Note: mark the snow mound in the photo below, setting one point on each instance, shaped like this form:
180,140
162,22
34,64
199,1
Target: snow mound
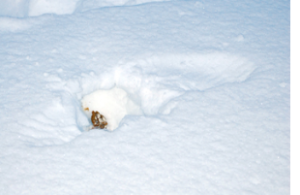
84,5
145,86
23,8
199,71
114,104
39,7
14,8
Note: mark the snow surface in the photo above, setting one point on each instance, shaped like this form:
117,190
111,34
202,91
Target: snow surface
211,79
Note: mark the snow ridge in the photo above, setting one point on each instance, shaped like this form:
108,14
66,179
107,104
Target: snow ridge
24,8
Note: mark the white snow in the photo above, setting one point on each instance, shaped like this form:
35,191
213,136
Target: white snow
15,8
113,104
24,8
40,7
196,94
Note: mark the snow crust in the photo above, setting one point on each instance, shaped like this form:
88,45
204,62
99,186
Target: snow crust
197,94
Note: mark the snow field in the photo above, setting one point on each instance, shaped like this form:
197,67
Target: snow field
156,142
211,80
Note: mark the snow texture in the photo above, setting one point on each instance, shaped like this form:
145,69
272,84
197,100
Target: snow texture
196,94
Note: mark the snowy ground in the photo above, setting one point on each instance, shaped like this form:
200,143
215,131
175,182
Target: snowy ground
211,79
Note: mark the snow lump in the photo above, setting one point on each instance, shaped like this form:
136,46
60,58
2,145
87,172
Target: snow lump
113,104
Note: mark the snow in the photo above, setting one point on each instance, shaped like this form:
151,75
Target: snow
15,8
114,104
294,103
24,8
197,93
40,7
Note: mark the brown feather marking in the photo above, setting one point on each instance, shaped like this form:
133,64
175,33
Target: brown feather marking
98,120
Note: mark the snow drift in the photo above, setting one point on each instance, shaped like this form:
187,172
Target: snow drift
23,8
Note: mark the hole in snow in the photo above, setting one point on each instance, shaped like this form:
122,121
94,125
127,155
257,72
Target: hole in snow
113,105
